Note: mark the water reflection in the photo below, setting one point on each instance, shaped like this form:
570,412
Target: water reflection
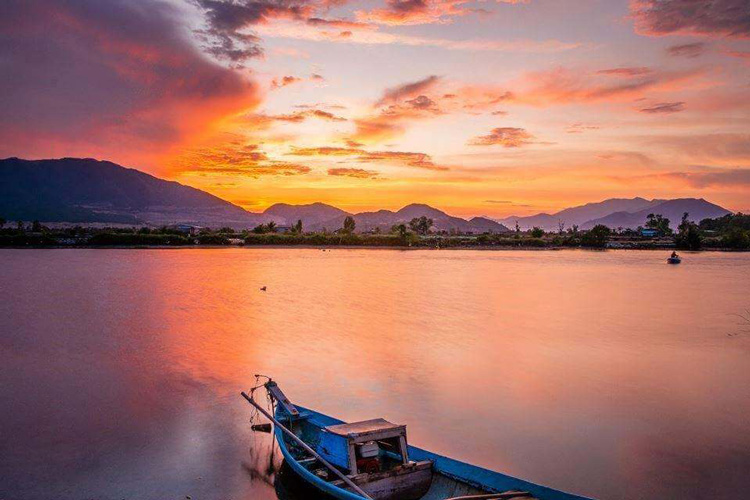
606,373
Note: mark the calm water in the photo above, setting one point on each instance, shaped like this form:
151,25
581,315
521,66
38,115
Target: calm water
610,374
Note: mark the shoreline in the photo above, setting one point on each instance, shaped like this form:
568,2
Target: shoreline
498,248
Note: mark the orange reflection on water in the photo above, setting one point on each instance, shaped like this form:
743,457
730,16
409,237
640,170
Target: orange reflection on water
605,373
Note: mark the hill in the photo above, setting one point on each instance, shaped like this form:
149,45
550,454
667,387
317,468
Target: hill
579,215
309,214
698,209
385,219
619,212
89,191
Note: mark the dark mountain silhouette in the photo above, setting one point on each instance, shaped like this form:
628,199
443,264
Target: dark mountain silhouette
89,191
308,214
581,214
697,209
385,219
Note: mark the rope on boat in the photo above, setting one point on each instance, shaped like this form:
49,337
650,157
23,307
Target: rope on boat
307,448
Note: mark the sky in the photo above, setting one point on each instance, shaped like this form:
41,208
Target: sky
494,107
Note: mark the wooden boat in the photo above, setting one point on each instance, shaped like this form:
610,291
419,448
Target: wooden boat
371,460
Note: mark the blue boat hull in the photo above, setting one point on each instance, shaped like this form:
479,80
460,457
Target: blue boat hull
453,478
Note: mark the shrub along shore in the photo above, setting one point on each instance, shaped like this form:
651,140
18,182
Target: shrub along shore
731,232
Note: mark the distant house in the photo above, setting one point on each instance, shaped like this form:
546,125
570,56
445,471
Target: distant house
283,229
649,233
187,229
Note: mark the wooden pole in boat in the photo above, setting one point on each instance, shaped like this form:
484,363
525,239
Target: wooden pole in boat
307,448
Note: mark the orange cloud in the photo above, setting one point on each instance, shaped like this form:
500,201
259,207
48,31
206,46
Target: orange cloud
235,158
277,83
357,173
508,137
417,160
300,116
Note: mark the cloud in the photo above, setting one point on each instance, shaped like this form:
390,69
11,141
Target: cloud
727,149
579,128
689,50
407,90
565,85
326,151
371,36
707,178
507,202
637,71
508,137
417,160
343,24
711,18
409,12
118,79
738,53
285,81
357,173
301,116
665,107
224,39
236,158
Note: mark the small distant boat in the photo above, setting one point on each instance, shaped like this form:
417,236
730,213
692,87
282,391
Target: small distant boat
674,259
371,460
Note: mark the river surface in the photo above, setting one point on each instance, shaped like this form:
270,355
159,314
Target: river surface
610,374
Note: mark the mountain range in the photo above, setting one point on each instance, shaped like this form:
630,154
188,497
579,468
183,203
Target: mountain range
86,191
620,212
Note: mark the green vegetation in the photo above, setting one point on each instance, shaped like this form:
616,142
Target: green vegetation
659,223
597,237
265,228
421,225
349,225
728,232
688,235
537,232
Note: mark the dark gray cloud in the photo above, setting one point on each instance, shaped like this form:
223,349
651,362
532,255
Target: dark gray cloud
690,50
407,90
665,107
105,72
714,18
224,38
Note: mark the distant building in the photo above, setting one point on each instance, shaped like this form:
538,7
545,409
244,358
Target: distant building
283,229
187,228
650,233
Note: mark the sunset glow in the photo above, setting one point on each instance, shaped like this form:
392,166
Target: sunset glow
492,108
